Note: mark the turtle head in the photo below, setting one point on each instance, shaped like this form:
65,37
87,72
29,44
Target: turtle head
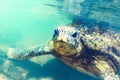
66,41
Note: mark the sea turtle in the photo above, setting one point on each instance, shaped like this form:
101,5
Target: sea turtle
92,51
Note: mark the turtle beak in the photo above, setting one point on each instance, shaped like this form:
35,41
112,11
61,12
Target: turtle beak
62,37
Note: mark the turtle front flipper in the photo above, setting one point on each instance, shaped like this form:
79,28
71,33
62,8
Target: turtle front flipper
14,53
107,71
110,75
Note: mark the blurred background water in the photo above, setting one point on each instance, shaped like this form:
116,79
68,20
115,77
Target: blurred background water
26,24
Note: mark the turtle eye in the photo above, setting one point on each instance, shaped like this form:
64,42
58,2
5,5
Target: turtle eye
56,31
75,34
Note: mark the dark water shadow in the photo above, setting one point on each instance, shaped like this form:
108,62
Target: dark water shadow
53,68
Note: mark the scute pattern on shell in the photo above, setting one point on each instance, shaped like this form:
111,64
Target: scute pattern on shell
100,52
104,41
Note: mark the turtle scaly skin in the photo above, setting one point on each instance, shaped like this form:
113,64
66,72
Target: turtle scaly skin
95,53
94,57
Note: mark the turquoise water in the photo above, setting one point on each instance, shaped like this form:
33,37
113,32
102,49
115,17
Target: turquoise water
26,24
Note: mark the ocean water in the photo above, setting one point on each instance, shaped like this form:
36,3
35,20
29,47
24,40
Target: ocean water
27,24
